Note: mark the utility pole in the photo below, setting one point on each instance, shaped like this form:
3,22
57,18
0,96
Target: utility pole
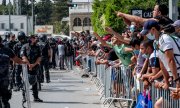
27,20
32,3
173,9
88,16
9,6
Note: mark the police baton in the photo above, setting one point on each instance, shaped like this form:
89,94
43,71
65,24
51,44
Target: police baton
26,85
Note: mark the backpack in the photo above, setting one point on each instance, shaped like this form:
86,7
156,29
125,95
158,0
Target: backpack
175,39
4,66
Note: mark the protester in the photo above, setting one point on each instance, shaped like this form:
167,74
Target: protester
61,54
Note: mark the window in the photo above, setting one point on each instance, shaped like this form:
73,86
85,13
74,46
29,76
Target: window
12,26
2,25
87,21
22,26
77,22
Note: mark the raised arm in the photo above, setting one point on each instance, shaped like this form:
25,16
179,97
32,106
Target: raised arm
100,39
131,18
117,35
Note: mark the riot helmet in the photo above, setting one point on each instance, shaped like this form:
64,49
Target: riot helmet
7,35
21,35
43,38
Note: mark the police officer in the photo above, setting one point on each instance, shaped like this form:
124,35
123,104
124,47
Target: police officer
45,56
7,39
53,45
12,41
10,44
6,55
18,68
31,53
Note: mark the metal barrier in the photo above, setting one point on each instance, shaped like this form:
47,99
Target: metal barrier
167,101
114,84
119,84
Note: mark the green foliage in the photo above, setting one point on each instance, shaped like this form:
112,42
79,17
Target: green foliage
4,2
60,10
57,27
44,12
104,13
61,27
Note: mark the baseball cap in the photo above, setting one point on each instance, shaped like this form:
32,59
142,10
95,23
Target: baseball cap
106,37
148,25
176,23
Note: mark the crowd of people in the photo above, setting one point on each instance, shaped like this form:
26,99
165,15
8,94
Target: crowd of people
39,53
150,47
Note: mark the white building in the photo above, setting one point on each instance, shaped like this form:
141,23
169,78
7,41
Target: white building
80,16
18,23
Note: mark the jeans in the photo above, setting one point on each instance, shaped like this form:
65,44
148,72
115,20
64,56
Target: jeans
69,62
61,61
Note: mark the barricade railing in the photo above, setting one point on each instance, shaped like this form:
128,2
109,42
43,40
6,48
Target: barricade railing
116,84
119,84
167,101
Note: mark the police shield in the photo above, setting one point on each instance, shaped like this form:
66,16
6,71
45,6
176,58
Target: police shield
26,85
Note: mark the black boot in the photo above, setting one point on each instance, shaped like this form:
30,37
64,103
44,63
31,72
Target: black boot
38,100
6,104
47,77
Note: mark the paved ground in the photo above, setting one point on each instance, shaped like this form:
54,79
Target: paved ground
66,90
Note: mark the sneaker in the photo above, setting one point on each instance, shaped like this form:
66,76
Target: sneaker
38,100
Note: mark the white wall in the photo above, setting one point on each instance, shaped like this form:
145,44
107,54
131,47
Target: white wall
16,20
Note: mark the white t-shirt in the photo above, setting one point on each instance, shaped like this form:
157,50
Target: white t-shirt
61,50
165,43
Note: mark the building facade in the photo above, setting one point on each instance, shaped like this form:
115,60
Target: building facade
17,23
80,15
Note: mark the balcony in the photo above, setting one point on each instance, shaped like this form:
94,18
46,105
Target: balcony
75,10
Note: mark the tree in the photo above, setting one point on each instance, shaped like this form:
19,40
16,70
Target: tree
25,8
105,11
4,2
60,10
44,12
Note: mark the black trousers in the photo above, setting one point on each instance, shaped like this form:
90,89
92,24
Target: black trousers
34,90
44,67
18,71
5,94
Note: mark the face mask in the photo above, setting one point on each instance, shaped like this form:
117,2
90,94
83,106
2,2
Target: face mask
145,56
132,28
150,36
136,52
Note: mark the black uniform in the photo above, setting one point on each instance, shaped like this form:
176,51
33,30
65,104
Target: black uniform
54,49
11,44
18,68
32,52
5,92
45,47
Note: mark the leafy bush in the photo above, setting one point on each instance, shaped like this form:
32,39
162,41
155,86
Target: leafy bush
104,13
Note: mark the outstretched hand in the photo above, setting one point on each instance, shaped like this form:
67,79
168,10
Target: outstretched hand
95,34
119,14
109,30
